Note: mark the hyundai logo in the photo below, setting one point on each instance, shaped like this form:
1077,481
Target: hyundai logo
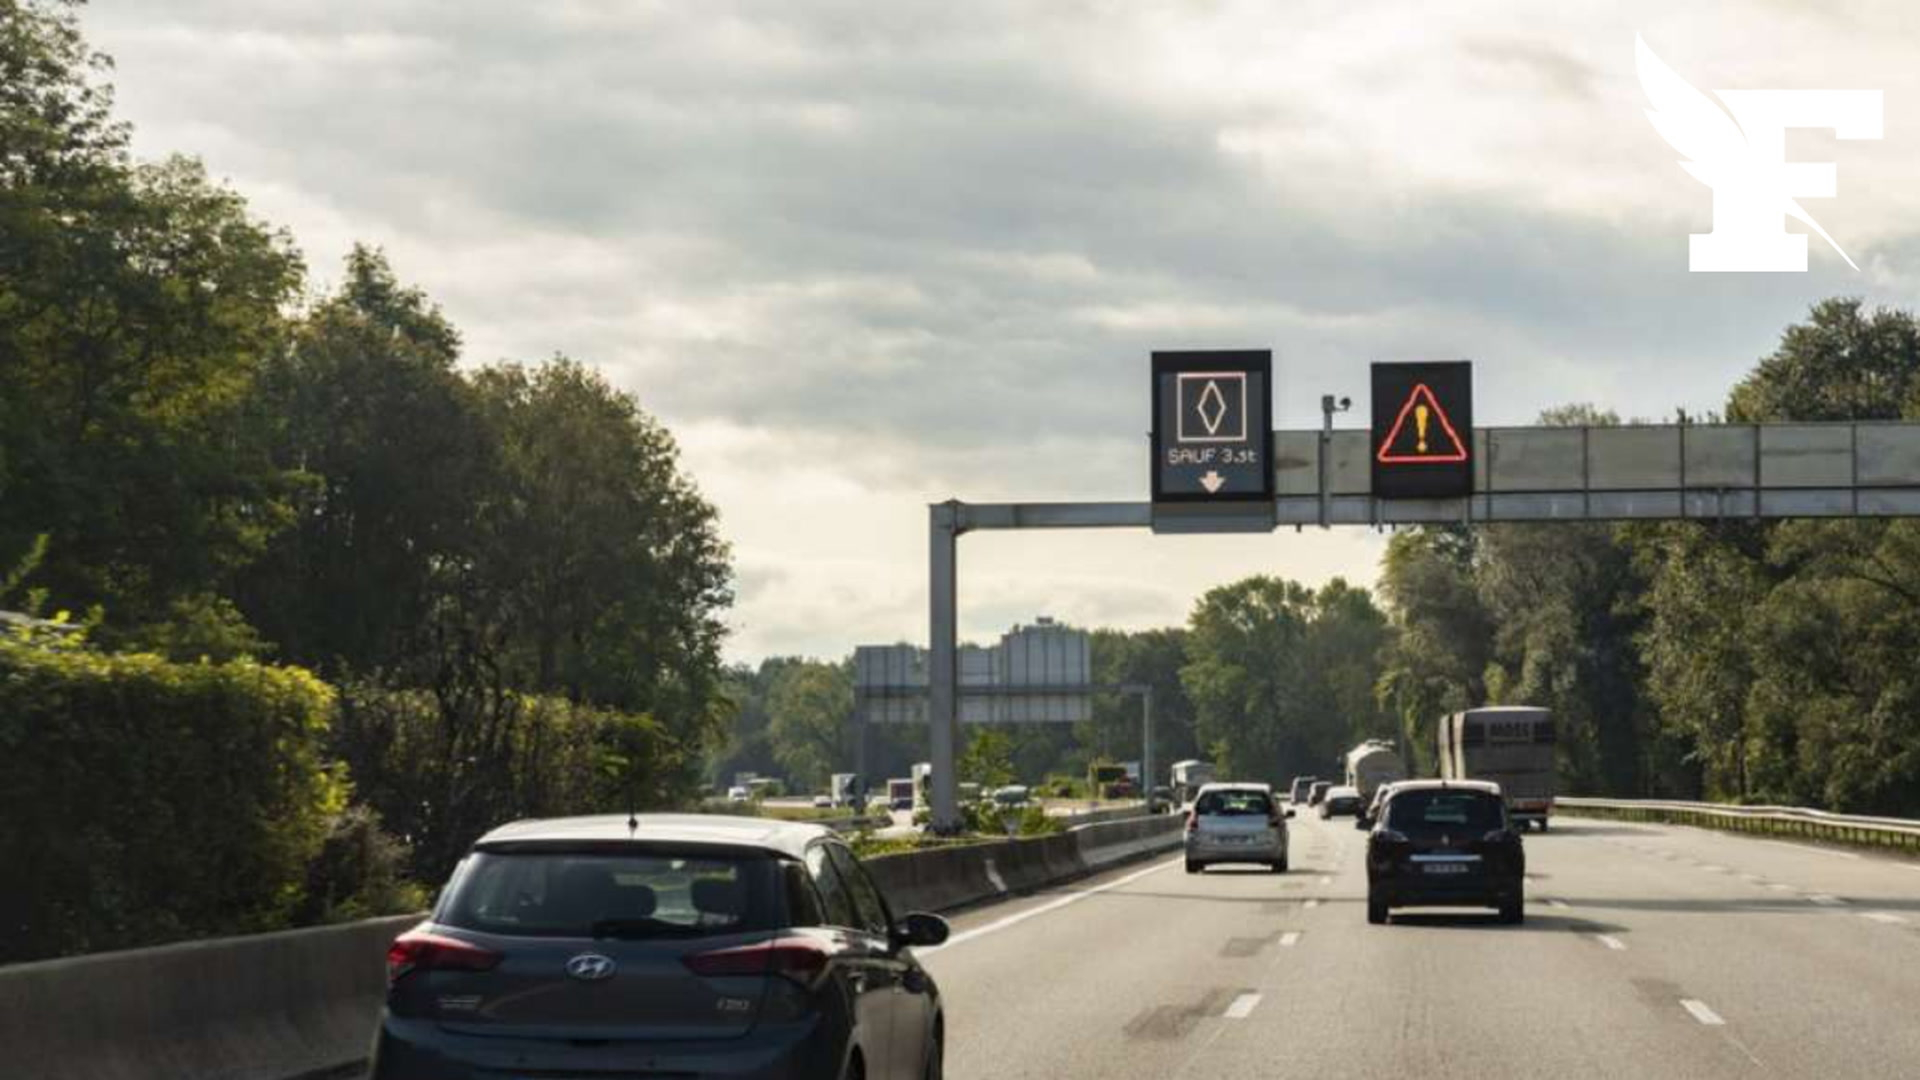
590,967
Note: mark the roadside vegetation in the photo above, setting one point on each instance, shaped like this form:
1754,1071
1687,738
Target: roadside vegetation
333,601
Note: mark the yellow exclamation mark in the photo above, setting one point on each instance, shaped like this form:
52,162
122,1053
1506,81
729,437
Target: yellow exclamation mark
1420,420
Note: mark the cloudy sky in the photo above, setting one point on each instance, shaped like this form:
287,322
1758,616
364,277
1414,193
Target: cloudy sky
866,256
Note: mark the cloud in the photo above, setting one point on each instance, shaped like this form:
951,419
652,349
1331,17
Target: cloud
863,256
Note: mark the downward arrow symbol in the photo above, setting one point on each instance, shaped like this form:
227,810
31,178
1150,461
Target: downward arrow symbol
1213,482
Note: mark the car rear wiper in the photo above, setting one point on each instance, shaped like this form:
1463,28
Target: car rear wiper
640,928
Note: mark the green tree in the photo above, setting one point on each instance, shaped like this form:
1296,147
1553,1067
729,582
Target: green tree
810,705
988,759
370,414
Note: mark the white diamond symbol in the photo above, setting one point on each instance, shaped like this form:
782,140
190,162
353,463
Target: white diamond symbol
1212,407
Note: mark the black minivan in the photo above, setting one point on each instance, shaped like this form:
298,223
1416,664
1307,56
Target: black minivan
1445,843
668,946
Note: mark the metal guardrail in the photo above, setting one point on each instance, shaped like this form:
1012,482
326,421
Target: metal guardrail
1854,829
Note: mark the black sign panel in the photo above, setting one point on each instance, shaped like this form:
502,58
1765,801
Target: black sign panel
1212,426
1423,430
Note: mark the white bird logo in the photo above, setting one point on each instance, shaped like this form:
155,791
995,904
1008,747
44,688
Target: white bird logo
1719,152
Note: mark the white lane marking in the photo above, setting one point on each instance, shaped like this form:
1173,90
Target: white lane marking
1561,904
1777,887
1701,1012
1827,901
1611,942
1311,904
1882,916
1242,1006
1050,906
993,875
1809,847
1289,939
1326,881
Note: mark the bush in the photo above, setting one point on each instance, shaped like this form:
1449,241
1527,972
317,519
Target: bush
143,801
360,872
444,766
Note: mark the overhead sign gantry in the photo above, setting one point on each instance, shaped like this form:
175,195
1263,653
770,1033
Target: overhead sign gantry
1423,461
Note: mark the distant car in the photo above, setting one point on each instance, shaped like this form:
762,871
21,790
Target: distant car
1445,843
1338,801
1318,791
823,802
1010,796
738,795
1302,786
688,945
901,802
1236,823
1370,813
1160,800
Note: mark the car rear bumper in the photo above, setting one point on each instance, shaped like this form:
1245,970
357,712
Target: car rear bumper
1202,852
416,1049
1410,890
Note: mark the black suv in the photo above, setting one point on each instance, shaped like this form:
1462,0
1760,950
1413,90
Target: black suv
680,946
1445,843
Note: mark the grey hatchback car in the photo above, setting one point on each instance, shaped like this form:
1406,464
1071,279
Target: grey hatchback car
690,945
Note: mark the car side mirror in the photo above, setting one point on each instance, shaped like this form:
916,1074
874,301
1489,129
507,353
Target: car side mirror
920,928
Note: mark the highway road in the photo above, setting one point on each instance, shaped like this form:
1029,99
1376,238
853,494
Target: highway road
1648,951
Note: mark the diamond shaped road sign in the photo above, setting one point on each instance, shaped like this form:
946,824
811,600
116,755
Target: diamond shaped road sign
1212,437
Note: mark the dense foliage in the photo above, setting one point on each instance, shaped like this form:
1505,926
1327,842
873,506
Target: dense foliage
503,569
143,800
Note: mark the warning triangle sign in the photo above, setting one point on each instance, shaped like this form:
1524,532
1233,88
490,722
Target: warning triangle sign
1422,434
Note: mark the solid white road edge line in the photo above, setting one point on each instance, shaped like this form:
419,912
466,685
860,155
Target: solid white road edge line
1051,905
1242,1006
1701,1012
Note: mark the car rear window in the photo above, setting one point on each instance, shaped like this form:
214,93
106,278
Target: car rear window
1421,810
626,894
1234,804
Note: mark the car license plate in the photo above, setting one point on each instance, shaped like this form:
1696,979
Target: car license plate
1445,868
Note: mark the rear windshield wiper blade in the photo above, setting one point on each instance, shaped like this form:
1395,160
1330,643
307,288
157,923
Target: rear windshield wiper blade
641,928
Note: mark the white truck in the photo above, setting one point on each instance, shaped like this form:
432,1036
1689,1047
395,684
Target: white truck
846,789
1371,764
1511,745
1188,777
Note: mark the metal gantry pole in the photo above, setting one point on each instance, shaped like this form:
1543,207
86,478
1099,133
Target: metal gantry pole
1146,739
942,674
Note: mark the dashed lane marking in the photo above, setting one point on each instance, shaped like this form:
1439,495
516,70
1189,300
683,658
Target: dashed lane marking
1560,904
1311,904
1289,939
1701,1012
1326,881
1611,942
1883,917
1242,1006
1827,901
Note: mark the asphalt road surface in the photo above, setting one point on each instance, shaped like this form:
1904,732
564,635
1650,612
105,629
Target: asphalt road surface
1648,951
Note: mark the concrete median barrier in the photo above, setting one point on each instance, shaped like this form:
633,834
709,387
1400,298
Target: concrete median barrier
282,1005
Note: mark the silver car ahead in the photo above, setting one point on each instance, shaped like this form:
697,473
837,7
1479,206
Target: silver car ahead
1236,823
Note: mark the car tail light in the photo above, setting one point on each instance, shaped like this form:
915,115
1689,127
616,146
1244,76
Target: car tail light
423,950
799,959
